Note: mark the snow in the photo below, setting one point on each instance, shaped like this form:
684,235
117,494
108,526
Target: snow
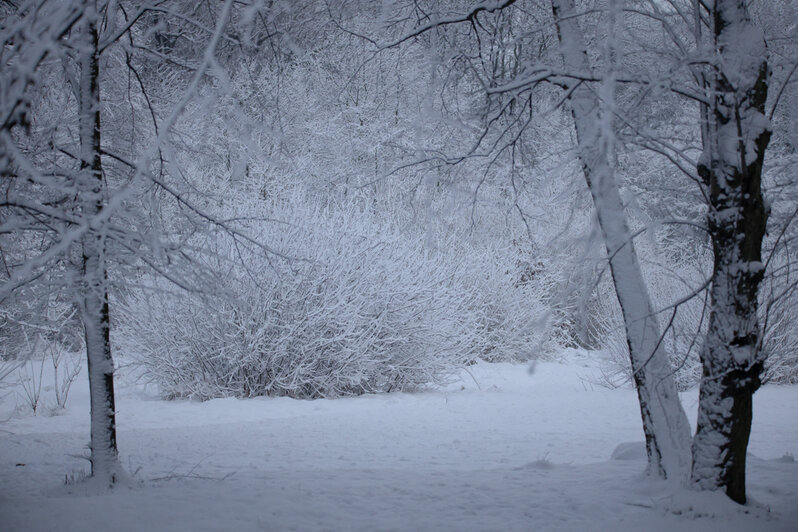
504,449
630,450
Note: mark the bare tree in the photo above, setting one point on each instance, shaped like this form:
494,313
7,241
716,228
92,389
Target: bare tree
93,276
63,219
509,81
736,136
664,421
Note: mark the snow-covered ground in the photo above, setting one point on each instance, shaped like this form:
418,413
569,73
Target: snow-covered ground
502,450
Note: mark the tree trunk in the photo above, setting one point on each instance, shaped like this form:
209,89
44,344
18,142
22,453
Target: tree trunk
93,296
665,424
731,167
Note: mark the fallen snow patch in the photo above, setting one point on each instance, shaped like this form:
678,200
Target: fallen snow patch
504,450
632,450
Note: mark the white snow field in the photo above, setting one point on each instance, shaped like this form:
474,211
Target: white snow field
506,450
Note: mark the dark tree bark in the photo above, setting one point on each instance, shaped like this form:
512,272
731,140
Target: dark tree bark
734,149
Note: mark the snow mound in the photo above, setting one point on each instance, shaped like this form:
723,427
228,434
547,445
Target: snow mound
630,450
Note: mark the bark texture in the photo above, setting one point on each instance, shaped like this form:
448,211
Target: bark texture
665,424
736,138
93,294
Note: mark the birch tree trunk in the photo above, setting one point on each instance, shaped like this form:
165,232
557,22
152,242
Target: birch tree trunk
665,424
731,167
93,289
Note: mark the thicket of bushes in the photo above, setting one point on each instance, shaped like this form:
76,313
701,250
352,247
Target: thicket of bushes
363,304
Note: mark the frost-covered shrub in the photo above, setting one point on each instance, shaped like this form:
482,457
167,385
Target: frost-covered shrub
513,323
683,323
781,346
31,311
684,331
779,318
363,305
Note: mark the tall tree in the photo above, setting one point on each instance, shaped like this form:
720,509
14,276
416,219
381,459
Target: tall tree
664,421
736,137
509,85
66,213
93,291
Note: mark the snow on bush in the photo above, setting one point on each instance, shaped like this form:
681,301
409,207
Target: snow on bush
683,319
781,346
684,330
363,305
778,316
